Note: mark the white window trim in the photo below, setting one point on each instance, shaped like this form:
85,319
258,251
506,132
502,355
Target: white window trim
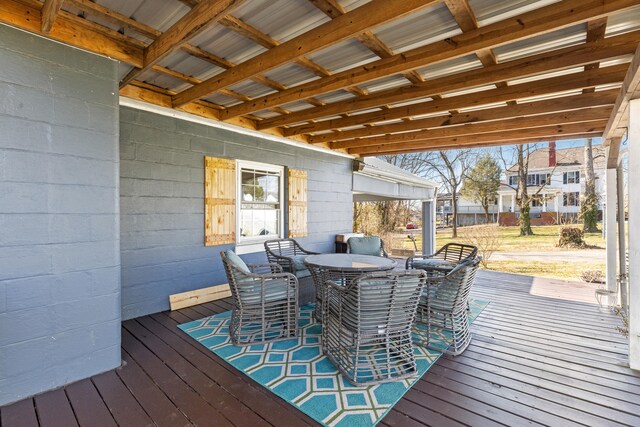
256,244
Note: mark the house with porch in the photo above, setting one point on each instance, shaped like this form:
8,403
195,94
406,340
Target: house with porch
556,182
140,139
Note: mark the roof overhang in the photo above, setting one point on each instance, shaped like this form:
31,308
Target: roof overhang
378,181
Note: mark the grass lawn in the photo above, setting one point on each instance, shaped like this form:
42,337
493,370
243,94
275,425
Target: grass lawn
543,240
554,270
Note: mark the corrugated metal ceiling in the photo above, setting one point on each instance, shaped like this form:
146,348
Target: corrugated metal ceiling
285,19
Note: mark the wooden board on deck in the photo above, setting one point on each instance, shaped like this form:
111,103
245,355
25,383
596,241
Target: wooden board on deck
199,296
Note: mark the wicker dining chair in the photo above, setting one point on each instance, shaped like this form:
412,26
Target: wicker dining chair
369,245
289,255
449,255
367,325
265,301
443,309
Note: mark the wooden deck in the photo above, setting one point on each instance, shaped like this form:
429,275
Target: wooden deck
534,360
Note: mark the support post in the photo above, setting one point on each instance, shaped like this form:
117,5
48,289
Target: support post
634,230
428,227
513,203
622,241
610,230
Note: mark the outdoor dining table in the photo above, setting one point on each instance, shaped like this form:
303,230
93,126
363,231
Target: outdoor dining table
342,268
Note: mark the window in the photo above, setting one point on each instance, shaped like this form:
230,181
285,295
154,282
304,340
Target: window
572,177
513,180
536,203
259,202
537,179
571,199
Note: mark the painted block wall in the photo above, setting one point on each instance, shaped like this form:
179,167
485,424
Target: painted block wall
162,203
59,215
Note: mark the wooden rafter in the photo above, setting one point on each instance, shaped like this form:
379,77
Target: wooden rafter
162,97
594,128
543,20
332,9
195,21
50,11
549,61
269,42
371,14
577,116
619,119
94,9
596,30
558,105
548,86
482,141
72,30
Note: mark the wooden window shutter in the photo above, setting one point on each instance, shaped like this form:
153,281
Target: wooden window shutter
297,203
220,201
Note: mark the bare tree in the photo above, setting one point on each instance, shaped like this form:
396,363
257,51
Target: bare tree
523,198
590,199
449,167
392,213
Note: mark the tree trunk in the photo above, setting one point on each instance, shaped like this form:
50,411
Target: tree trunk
589,206
485,206
454,213
524,221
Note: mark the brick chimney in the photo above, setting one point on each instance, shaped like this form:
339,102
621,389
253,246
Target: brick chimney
552,154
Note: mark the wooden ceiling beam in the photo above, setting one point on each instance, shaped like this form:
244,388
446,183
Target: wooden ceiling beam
540,21
558,105
50,11
374,13
162,97
481,143
552,132
619,119
332,9
596,30
549,61
94,9
193,23
597,114
548,86
269,42
71,30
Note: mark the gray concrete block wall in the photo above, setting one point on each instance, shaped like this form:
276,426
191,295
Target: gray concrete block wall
162,203
59,215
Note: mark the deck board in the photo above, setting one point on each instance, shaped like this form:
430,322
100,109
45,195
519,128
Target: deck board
534,360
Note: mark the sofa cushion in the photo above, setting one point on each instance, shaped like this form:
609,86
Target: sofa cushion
430,263
365,245
236,261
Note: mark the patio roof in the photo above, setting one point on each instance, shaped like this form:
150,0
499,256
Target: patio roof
365,77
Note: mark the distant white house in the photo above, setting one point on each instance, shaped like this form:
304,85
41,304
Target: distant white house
557,178
559,172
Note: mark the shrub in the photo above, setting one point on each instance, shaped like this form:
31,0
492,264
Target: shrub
592,276
624,329
571,237
486,238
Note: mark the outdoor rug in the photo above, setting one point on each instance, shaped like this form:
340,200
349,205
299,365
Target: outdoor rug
296,371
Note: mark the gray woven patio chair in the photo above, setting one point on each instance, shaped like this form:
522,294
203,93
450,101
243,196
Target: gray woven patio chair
369,245
443,308
447,256
367,325
265,301
289,255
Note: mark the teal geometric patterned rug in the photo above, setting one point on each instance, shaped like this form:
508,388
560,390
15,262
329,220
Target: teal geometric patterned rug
296,371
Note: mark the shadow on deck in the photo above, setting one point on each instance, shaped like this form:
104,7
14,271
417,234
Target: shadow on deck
534,360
